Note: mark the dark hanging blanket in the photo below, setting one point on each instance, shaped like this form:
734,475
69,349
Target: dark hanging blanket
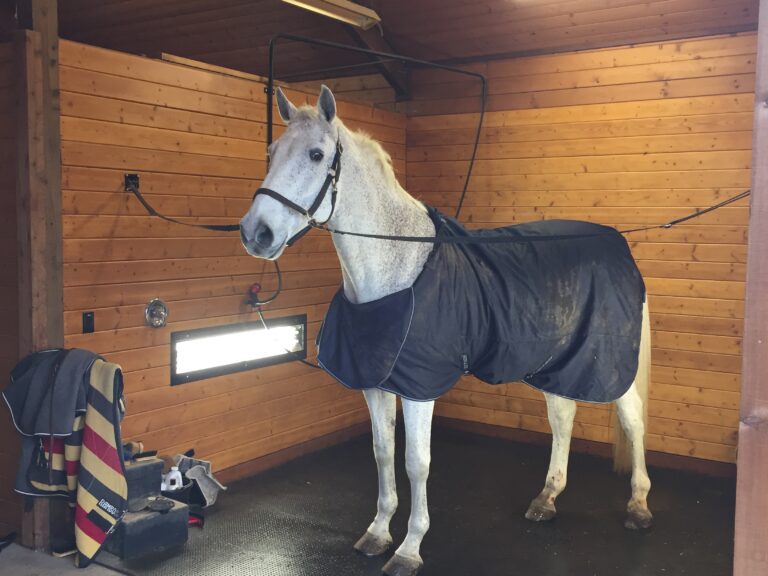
67,405
562,315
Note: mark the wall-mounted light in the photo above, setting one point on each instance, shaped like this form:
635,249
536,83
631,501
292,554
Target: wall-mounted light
343,10
219,350
156,313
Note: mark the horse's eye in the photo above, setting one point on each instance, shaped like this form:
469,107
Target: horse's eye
316,154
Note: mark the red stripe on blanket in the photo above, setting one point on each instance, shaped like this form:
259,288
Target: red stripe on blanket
101,449
58,444
86,526
72,467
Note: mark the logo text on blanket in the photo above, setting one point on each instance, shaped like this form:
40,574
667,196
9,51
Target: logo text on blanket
108,508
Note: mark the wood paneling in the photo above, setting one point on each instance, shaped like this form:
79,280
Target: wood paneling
197,137
711,66
604,136
235,33
231,33
371,88
10,503
462,28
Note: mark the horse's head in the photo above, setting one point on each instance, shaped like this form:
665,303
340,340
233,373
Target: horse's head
299,165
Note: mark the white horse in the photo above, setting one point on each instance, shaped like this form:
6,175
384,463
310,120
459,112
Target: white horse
371,200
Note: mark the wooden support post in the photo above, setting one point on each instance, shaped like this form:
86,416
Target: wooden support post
41,292
394,72
751,546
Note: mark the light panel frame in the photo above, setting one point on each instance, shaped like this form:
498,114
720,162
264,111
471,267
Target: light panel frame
298,320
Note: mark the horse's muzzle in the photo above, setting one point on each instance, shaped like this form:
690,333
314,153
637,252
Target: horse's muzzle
260,243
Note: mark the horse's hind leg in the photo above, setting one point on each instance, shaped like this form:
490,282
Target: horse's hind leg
418,431
631,416
383,409
561,412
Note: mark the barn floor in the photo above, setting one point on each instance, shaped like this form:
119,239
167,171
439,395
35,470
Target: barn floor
302,518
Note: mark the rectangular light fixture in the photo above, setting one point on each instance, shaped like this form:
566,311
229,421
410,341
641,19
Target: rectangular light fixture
343,10
219,350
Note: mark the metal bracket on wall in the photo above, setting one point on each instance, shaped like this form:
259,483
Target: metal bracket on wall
269,90
130,182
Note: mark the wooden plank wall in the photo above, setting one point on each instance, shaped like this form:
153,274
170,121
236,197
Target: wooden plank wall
627,137
440,29
371,88
198,140
10,503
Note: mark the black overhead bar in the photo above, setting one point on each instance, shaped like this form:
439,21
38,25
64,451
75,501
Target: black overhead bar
380,56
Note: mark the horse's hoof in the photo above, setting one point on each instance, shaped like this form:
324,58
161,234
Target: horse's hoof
370,545
402,566
540,511
638,519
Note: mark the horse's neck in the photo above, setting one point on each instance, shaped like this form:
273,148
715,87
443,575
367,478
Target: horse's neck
371,203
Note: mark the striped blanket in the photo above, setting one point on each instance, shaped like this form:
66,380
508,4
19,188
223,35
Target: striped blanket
72,447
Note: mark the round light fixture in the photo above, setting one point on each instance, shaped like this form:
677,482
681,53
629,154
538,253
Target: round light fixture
156,313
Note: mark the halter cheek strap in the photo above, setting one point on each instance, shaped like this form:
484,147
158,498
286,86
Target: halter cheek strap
331,180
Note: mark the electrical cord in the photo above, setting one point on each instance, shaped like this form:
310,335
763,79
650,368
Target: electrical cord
296,356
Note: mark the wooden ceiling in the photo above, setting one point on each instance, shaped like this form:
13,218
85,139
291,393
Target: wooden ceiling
235,33
462,29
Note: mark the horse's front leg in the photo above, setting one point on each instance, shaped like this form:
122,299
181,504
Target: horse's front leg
418,431
383,409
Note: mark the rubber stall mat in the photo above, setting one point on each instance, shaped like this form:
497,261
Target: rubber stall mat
303,518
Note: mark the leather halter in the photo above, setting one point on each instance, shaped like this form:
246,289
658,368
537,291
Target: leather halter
331,179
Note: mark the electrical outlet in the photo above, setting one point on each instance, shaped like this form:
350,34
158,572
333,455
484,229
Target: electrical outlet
87,322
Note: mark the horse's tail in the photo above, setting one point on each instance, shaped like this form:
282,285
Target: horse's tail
622,448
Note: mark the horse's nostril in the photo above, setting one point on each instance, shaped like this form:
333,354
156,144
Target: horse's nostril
264,236
243,237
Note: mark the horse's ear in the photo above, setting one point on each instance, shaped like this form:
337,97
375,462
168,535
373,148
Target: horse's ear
326,103
284,106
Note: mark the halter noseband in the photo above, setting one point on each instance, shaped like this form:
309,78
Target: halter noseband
331,179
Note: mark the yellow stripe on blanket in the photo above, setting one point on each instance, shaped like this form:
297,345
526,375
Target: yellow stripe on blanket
87,502
101,426
107,475
86,545
104,372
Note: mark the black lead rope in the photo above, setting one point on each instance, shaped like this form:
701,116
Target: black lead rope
517,239
475,146
132,185
693,215
133,188
331,180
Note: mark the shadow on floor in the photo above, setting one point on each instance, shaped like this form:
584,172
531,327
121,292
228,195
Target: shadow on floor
19,561
302,518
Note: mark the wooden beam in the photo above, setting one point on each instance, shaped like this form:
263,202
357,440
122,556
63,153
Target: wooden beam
41,292
395,73
41,322
31,232
751,551
210,67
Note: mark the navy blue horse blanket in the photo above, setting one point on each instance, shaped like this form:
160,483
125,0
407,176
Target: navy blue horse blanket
562,314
